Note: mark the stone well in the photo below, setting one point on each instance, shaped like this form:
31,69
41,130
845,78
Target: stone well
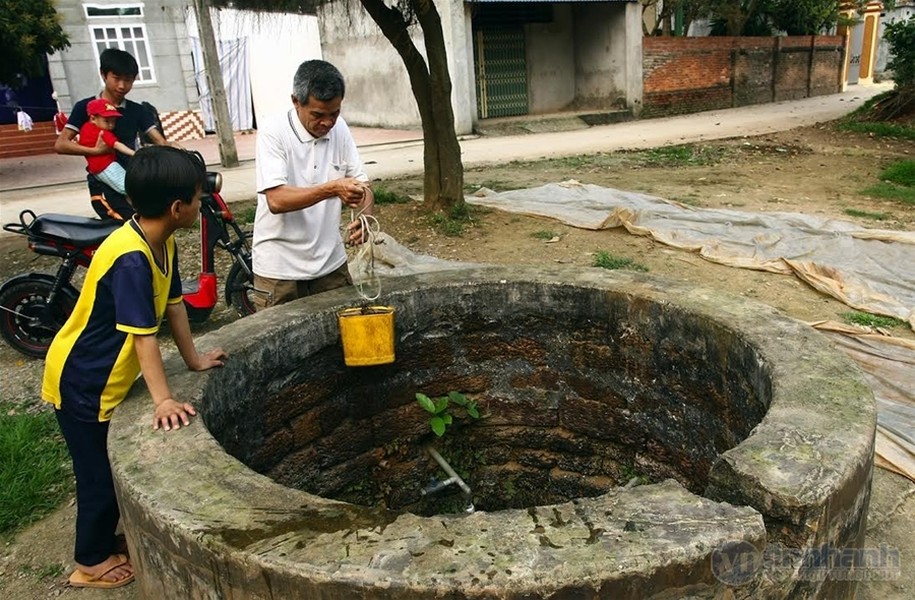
641,439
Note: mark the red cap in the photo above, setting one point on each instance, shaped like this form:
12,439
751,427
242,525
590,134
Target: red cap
102,108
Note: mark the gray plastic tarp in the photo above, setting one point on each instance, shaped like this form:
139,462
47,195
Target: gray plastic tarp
872,270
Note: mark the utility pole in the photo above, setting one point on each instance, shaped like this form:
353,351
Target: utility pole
228,155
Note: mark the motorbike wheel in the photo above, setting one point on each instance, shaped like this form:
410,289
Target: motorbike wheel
240,290
27,322
197,315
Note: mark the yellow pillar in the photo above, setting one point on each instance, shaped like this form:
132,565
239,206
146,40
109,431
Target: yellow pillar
871,16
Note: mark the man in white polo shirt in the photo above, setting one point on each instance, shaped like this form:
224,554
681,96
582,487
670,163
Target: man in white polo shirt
307,169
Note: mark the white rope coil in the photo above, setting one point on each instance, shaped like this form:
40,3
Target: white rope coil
365,255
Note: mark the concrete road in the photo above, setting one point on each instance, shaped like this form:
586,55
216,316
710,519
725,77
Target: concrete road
391,157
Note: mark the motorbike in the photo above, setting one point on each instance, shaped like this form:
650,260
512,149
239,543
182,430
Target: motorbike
34,306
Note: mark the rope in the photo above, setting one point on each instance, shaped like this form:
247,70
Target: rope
365,254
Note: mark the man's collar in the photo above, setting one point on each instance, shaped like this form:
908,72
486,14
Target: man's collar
299,130
121,105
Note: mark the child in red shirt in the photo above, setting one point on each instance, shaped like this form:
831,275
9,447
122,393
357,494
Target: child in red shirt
105,167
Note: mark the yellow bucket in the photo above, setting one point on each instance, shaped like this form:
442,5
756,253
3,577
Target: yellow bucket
368,335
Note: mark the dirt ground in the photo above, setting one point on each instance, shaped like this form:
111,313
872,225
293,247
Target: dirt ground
814,170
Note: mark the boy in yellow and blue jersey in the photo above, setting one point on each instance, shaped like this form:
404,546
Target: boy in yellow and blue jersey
110,338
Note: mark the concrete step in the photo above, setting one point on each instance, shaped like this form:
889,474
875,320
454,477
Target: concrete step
40,140
567,121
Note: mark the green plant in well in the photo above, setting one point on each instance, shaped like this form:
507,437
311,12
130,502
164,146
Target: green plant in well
442,410
875,321
35,474
630,472
605,260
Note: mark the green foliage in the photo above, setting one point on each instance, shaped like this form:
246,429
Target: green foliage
897,183
739,17
46,572
879,128
684,155
765,17
245,215
901,38
34,467
544,235
874,321
442,408
29,30
386,196
803,17
863,214
891,191
605,260
453,222
901,172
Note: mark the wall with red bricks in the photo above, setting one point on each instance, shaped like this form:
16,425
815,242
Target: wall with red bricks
686,75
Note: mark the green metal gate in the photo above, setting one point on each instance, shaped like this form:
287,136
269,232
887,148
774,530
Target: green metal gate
501,72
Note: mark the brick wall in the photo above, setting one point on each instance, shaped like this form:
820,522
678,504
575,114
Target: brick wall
179,126
686,75
15,143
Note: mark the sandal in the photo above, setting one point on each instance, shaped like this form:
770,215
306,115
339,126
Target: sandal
84,580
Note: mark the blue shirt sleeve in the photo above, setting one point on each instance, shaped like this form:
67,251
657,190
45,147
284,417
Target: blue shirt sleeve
78,116
132,288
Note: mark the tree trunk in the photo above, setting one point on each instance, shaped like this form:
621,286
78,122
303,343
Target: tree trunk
227,152
443,180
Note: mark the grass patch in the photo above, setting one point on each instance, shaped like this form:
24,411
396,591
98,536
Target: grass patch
897,182
682,156
579,163
863,214
43,572
452,224
901,173
544,235
35,473
891,191
605,260
879,129
385,196
244,214
874,321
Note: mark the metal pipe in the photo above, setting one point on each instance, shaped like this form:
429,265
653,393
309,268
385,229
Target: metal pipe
447,468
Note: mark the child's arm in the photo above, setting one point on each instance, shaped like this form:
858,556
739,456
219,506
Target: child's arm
168,412
181,332
124,148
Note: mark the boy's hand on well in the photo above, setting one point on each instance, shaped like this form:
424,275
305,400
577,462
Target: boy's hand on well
208,360
171,414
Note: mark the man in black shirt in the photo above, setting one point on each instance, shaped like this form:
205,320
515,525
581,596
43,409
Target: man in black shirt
118,70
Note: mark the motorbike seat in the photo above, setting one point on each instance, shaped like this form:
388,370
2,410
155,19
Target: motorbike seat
79,231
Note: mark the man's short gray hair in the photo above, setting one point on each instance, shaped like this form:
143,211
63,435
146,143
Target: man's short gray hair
318,79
